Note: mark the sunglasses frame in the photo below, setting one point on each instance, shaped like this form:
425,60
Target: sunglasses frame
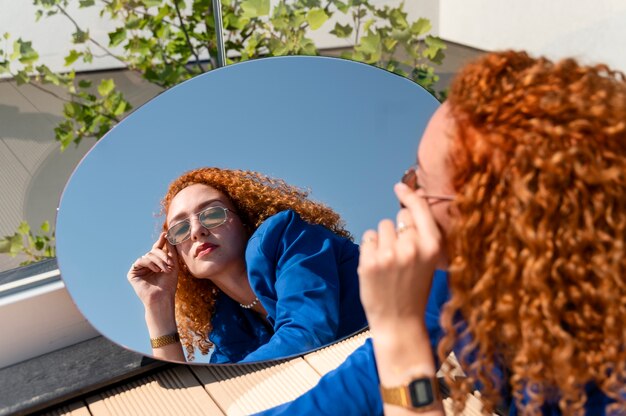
197,215
409,178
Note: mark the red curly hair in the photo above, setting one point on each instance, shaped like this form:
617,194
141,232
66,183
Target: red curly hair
255,197
537,260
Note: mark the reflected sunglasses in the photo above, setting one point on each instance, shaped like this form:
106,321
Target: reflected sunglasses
410,179
209,218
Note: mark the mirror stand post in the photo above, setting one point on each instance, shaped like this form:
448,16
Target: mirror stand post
219,33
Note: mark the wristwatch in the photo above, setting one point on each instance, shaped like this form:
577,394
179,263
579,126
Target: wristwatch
164,340
419,394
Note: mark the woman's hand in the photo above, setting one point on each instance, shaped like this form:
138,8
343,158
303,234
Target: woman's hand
395,274
397,263
154,276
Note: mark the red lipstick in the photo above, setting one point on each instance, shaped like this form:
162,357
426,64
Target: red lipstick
205,248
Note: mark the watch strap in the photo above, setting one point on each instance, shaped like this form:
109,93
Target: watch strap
164,340
401,395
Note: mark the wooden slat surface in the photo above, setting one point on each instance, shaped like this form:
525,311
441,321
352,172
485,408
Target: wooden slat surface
72,409
250,389
174,391
329,358
224,390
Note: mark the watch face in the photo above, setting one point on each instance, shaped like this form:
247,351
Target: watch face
421,390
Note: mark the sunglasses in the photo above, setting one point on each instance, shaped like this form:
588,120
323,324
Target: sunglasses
410,179
209,218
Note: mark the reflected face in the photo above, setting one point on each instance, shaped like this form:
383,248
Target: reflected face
434,173
213,253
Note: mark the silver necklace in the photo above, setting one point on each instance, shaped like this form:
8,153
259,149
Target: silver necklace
250,305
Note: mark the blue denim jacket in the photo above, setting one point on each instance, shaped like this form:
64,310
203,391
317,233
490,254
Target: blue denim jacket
305,277
353,388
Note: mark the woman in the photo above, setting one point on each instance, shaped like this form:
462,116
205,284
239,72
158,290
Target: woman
521,195
248,266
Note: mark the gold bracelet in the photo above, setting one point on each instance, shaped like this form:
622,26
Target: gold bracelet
164,340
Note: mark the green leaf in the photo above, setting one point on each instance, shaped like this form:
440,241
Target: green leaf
64,133
105,87
72,57
86,3
118,36
83,83
341,6
278,47
39,243
434,50
421,27
72,109
23,228
370,44
389,44
255,8
342,31
121,107
17,245
45,227
397,18
16,51
27,54
316,18
6,35
4,68
5,245
80,37
87,56
367,25
22,78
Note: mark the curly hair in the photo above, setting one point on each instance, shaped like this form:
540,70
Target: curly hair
255,197
537,260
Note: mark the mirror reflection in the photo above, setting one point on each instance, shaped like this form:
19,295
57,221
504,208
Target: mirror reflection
246,269
214,222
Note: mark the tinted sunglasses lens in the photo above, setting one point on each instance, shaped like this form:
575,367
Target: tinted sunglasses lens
212,217
178,233
410,178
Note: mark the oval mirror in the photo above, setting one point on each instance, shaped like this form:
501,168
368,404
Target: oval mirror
343,130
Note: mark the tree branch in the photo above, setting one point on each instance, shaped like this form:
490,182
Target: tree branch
47,91
184,29
95,42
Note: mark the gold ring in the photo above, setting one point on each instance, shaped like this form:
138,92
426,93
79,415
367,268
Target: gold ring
402,227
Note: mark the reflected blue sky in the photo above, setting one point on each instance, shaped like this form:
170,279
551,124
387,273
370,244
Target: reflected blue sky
342,129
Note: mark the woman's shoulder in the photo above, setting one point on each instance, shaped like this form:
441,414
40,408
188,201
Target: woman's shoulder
287,228
287,221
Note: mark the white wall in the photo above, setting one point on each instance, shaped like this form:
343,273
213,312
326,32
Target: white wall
52,36
593,31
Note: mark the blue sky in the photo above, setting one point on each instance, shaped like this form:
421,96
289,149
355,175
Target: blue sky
342,129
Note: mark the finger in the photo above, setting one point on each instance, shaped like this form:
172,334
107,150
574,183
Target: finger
418,208
404,224
158,262
146,263
369,243
386,235
162,255
171,252
160,241
137,268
